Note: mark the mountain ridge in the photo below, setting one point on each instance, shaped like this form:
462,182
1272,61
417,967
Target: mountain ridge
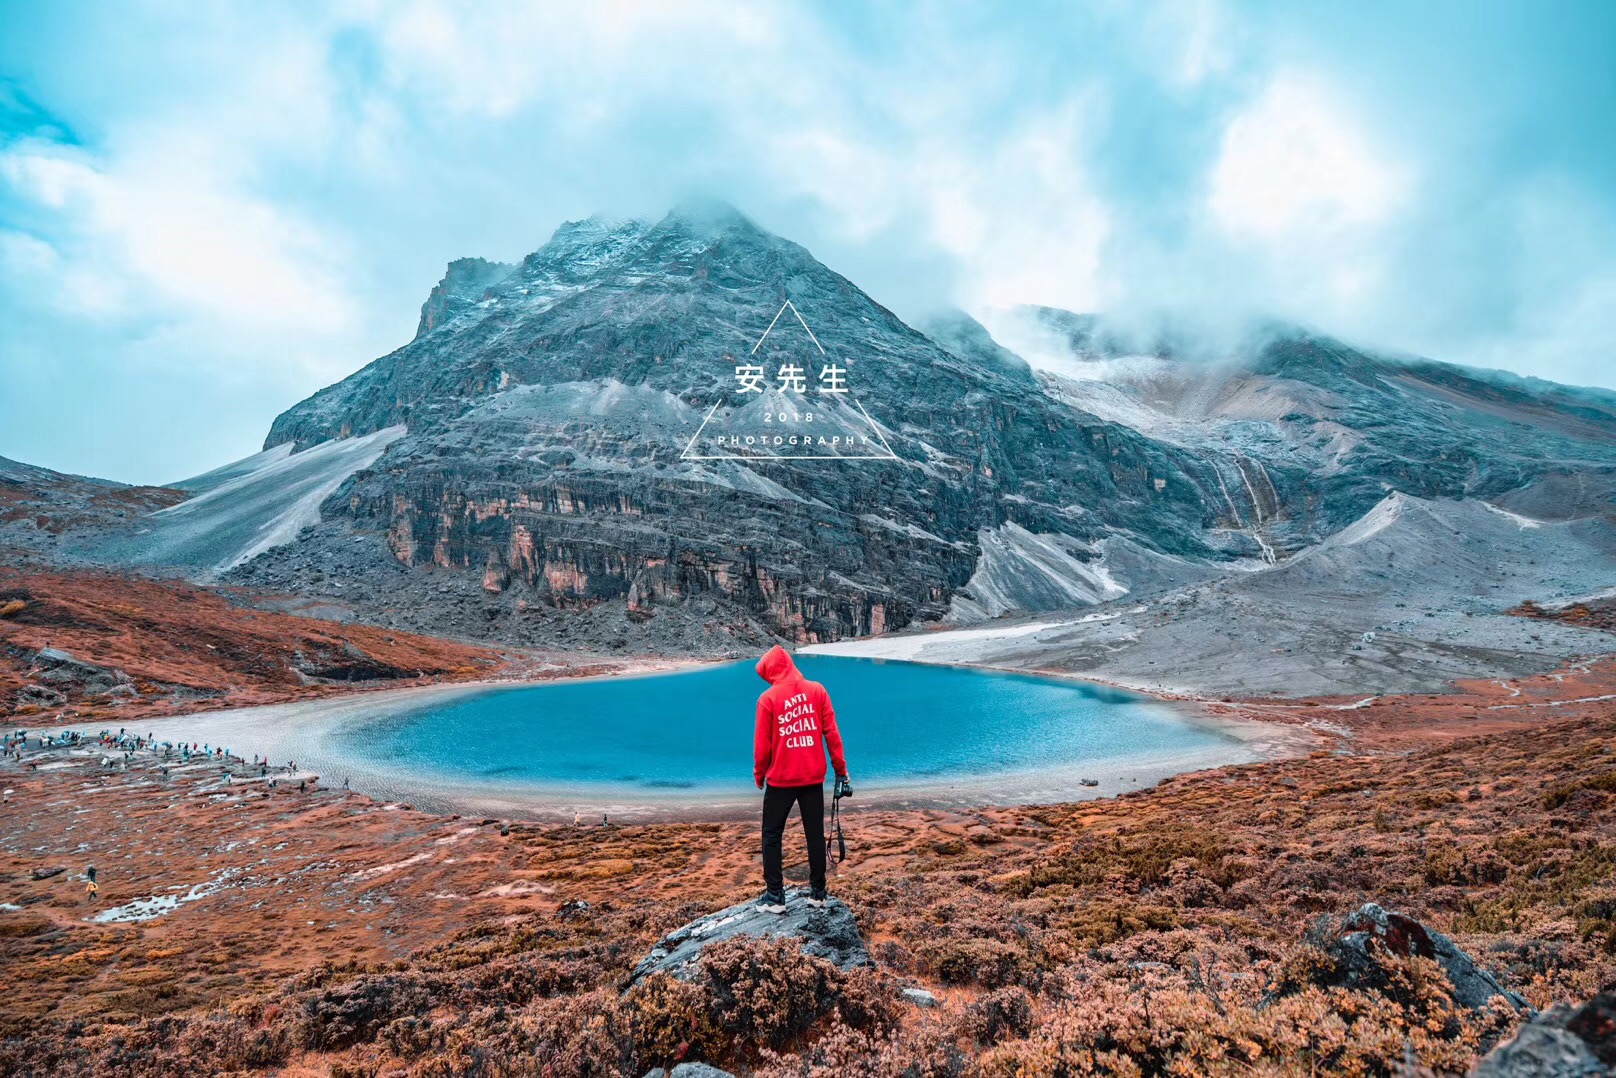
537,488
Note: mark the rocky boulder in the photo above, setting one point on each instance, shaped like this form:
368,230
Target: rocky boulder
38,696
347,663
919,997
64,672
1562,1042
828,933
1357,942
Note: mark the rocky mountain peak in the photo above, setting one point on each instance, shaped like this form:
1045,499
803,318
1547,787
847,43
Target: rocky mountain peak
579,248
543,422
465,281
711,217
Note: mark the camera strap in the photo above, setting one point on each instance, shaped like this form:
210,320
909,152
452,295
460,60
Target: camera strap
834,832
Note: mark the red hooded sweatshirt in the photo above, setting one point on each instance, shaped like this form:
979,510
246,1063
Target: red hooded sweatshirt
795,725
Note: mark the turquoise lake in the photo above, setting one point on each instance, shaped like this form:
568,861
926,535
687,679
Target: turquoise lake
900,722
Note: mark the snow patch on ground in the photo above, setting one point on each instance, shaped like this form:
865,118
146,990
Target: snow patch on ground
1591,597
737,476
911,647
148,909
517,888
382,870
255,504
1385,513
902,528
1018,570
1520,521
228,473
556,405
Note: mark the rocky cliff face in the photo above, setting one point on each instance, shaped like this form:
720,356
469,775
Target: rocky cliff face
551,480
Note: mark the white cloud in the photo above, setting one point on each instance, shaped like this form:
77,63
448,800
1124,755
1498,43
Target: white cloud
1563,324
1022,217
1295,162
270,191
495,60
1301,212
167,229
164,222
1192,38
50,282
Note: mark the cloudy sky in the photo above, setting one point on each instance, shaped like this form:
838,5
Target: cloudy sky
207,211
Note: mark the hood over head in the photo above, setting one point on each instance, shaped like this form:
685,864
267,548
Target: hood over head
776,665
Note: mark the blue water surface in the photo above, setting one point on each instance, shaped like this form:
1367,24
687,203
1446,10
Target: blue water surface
900,722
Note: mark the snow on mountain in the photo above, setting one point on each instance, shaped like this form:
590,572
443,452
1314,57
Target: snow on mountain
1020,571
523,467
250,506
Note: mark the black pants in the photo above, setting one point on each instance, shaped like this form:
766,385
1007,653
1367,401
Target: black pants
777,802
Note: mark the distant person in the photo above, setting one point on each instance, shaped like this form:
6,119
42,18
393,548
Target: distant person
90,888
795,725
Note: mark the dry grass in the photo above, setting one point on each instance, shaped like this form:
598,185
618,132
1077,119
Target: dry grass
1164,932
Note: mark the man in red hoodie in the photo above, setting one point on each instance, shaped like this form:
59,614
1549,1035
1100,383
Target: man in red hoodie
795,725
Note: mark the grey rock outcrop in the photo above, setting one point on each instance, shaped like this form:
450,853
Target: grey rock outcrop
46,513
38,696
1359,939
466,282
689,1070
66,673
829,933
919,997
1561,1042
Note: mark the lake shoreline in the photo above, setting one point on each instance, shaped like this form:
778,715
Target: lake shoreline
265,885
305,731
